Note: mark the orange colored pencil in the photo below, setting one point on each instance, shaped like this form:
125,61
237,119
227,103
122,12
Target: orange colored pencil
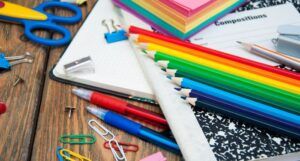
235,64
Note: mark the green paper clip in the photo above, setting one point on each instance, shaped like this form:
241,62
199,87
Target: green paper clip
77,139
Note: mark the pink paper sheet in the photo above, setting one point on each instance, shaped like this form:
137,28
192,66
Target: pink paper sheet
187,7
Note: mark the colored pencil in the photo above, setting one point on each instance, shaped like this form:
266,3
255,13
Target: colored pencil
224,68
238,100
260,93
180,63
247,116
193,93
136,30
201,54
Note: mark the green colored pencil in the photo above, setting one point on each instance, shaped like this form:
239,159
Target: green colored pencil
241,86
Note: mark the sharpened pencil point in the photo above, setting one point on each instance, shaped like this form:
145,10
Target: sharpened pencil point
143,46
169,77
150,53
133,37
163,63
164,69
239,42
183,97
177,89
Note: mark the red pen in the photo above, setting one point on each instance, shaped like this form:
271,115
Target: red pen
119,106
2,108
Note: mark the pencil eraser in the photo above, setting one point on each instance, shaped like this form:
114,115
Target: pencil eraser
155,157
2,108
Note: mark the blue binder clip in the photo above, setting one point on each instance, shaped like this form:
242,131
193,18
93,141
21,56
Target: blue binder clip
5,63
114,35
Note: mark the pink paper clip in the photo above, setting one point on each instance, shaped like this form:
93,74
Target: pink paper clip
155,157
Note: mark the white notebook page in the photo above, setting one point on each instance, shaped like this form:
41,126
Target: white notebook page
116,67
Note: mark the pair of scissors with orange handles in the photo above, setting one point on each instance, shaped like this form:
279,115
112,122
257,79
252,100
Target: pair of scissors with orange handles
39,19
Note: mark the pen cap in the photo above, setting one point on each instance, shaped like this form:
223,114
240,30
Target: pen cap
122,123
2,108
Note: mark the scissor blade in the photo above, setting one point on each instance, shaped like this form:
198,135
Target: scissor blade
16,11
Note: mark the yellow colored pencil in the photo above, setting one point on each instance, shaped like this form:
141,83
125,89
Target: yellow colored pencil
222,67
202,54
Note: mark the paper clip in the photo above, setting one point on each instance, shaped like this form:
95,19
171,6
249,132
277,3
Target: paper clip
60,158
127,147
65,152
77,139
110,137
7,62
82,65
114,35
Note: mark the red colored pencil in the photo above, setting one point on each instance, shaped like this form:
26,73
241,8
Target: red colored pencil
137,30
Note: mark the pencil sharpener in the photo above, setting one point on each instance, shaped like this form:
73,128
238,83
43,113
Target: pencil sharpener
288,41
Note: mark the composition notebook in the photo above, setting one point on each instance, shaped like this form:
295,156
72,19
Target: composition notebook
227,138
116,68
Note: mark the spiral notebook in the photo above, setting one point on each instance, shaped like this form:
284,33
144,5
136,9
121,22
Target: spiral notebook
116,68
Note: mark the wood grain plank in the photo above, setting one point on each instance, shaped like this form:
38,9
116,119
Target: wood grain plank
54,122
17,125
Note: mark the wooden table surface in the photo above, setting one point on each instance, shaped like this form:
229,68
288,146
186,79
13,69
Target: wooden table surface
35,118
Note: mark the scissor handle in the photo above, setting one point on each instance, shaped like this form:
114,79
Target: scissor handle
31,27
60,19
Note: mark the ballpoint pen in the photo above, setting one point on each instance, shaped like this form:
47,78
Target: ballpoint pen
134,128
120,106
272,55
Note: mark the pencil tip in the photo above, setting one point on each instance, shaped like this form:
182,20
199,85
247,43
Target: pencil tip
177,89
239,42
183,97
169,77
164,69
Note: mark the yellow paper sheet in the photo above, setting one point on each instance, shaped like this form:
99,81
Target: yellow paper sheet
205,14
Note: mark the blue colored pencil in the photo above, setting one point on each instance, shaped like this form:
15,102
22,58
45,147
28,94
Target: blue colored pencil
238,100
244,116
226,104
253,117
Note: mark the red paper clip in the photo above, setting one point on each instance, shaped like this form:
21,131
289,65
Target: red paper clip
127,147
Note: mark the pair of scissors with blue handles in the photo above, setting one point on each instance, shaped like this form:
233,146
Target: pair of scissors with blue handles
39,19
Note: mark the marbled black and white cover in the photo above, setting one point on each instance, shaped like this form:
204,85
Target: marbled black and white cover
234,140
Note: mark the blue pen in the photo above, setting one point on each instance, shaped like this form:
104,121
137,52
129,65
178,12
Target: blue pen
241,101
134,128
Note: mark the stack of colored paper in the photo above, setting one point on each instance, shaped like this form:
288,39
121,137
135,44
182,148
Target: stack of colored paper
180,18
